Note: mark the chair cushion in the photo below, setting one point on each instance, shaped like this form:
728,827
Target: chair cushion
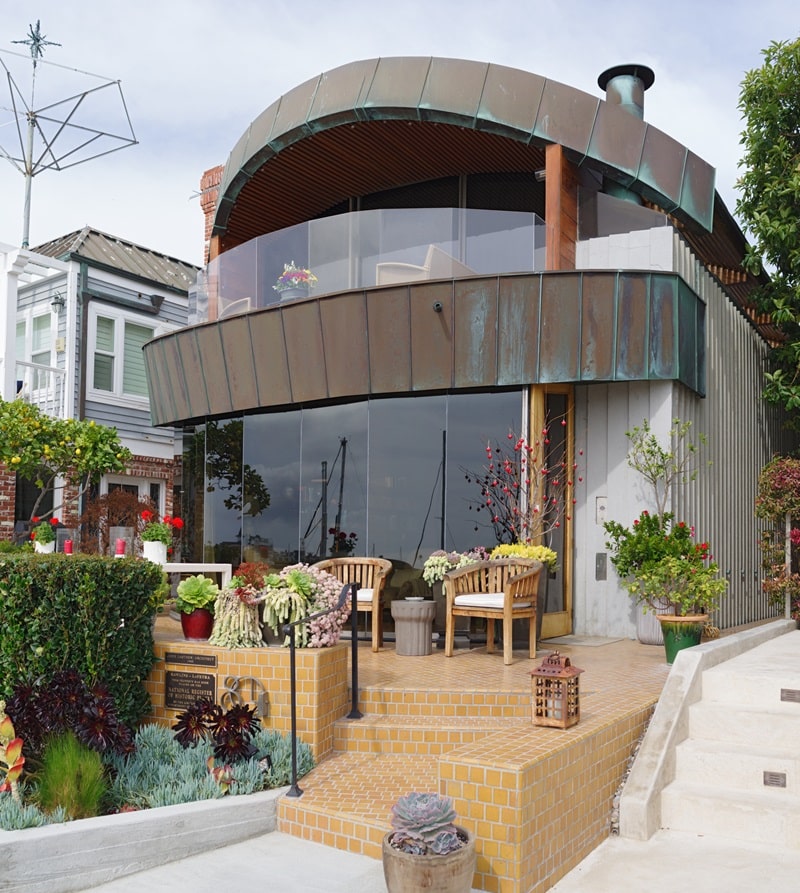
489,600
365,595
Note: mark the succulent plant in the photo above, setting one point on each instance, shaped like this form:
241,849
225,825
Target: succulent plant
424,824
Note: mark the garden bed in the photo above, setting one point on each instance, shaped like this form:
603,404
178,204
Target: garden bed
79,855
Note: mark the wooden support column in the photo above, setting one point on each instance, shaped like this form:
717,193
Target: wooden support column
561,209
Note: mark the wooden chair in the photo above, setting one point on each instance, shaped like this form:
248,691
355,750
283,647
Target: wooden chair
371,575
504,589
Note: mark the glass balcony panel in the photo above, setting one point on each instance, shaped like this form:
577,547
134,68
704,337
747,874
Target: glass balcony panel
373,248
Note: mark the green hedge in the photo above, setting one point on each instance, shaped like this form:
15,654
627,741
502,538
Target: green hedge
82,611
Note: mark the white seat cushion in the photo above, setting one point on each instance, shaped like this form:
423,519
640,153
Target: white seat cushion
365,595
491,600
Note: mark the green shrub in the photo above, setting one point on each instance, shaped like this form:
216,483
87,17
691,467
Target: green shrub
15,815
88,612
72,778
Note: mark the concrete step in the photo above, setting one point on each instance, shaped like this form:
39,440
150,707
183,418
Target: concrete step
739,767
754,817
761,691
713,721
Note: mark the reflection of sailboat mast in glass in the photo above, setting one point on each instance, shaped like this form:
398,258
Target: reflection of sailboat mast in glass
322,505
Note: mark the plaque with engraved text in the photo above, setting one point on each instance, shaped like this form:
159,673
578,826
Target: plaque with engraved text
183,689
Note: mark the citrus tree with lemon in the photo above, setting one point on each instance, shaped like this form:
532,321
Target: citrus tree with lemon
53,452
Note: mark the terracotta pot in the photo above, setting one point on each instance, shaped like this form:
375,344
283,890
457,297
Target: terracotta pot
408,873
198,624
681,632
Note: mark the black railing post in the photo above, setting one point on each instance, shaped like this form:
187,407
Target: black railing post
354,713
288,630
295,790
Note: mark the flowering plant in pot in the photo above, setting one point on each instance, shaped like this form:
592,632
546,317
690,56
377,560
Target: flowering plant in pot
195,600
295,277
526,486
44,533
665,570
440,562
426,850
155,531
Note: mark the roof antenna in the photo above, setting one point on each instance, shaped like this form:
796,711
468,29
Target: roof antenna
38,129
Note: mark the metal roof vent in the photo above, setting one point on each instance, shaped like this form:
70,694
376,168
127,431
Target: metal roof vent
625,86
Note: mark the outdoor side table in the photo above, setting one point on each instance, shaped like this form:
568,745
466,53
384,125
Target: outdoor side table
413,626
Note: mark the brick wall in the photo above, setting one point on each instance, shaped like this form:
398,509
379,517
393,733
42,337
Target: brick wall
209,191
142,466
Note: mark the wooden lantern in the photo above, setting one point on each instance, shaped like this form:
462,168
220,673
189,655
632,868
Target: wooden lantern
556,693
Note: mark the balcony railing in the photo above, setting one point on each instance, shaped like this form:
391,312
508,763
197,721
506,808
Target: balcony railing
43,386
372,248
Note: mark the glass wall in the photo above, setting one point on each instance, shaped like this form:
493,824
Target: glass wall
379,477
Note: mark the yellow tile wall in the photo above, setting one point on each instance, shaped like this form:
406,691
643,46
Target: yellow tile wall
322,678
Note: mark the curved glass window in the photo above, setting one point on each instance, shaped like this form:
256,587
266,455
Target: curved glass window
382,477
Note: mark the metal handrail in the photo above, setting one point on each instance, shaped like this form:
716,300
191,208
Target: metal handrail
288,630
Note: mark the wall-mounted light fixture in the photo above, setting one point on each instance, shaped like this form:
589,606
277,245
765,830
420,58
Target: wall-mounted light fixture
58,302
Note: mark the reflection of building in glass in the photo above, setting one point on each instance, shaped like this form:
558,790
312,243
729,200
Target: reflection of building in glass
492,250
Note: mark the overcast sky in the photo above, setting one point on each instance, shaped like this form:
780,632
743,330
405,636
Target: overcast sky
195,73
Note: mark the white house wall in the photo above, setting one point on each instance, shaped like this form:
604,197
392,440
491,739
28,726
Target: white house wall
743,433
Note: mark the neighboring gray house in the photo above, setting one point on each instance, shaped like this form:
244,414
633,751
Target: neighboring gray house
78,311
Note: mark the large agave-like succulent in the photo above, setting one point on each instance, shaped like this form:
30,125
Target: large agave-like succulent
424,823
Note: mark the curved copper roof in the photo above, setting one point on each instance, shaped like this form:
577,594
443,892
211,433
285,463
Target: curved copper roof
380,123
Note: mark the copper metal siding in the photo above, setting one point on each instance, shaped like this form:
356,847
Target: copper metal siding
190,362
547,328
346,344
409,92
214,368
270,360
633,327
305,351
431,336
598,343
560,338
475,342
661,171
518,335
662,359
173,380
510,101
617,142
241,375
389,333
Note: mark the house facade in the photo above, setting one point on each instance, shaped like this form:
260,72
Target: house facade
78,311
494,253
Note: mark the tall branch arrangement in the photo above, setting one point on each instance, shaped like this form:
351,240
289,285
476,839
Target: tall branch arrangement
526,489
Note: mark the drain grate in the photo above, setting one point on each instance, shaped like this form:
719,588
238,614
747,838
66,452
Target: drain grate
775,779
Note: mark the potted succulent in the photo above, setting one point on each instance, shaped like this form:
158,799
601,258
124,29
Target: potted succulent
426,850
195,603
295,593
44,535
294,281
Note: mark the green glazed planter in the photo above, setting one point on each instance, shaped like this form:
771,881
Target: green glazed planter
681,632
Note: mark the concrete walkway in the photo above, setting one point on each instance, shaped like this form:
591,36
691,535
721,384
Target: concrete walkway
670,862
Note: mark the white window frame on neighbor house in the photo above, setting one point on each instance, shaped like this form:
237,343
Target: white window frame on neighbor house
144,486
29,352
121,364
